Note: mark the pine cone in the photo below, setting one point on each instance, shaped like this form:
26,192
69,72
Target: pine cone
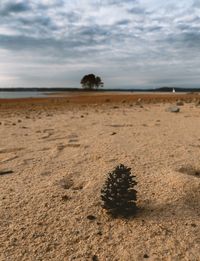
118,196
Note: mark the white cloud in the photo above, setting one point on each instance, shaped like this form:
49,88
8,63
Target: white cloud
135,43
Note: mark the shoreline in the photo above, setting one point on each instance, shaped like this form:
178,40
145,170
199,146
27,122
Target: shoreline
100,98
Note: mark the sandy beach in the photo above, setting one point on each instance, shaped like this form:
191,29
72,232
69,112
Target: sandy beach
55,154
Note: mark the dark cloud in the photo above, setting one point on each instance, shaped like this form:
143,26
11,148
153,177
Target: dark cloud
21,43
10,8
189,39
196,4
50,4
117,2
137,10
72,16
123,22
93,31
36,23
184,41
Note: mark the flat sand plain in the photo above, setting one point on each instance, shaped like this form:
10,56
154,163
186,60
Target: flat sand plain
57,153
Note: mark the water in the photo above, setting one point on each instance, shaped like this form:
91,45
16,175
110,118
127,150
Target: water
22,94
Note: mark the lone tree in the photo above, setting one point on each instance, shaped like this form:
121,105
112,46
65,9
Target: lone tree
118,195
91,82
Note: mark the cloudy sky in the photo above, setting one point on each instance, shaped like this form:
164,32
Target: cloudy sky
129,43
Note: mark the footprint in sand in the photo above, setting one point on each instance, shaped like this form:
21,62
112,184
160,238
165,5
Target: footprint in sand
7,150
48,133
8,154
28,161
48,130
190,170
44,149
79,187
65,183
61,146
7,159
73,141
73,145
72,136
46,173
120,125
6,172
68,183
